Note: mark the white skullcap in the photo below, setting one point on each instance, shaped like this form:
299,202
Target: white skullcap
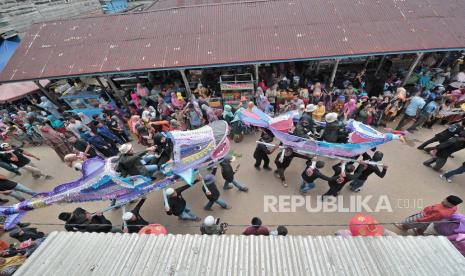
127,216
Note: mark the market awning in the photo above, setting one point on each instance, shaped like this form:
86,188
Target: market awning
235,33
17,90
7,49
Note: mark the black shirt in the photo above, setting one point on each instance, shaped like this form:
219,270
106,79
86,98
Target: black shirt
261,149
81,146
134,226
315,175
177,203
79,223
287,160
7,185
364,173
215,193
450,132
22,160
29,233
227,171
338,180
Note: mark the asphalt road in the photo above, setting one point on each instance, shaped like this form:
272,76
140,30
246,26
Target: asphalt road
407,187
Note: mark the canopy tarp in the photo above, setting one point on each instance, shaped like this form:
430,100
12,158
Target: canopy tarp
17,90
7,49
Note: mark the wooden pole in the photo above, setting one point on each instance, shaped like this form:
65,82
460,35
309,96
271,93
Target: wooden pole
48,94
100,82
333,74
115,89
381,62
412,67
366,63
256,73
446,56
186,83
318,67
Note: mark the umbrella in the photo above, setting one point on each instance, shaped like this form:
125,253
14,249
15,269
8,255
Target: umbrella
153,229
365,225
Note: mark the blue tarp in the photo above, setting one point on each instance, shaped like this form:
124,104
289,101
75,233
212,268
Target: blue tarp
7,49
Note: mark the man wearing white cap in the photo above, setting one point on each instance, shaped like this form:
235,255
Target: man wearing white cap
331,131
133,220
131,163
210,226
177,206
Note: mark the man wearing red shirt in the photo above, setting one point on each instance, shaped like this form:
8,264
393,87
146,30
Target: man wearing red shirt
432,213
256,229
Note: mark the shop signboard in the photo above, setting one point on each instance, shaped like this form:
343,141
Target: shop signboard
237,86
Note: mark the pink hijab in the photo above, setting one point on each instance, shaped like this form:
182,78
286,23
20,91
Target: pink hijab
175,101
134,121
135,99
350,107
142,91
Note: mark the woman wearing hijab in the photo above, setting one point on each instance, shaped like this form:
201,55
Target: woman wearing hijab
116,126
142,91
146,116
57,141
228,116
49,106
84,118
163,109
56,124
211,117
349,109
176,101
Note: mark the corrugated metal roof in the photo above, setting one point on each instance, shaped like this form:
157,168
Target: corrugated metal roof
117,254
18,90
235,33
166,4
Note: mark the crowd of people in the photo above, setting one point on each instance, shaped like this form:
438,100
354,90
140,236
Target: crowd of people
146,115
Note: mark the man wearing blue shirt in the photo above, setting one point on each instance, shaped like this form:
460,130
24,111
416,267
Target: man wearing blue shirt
412,111
426,114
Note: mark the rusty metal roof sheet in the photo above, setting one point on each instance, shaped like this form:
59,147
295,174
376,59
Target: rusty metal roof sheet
235,33
167,4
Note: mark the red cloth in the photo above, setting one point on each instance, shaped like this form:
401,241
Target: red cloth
437,212
254,231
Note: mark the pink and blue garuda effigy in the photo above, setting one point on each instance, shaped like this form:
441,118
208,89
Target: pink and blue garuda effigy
361,138
193,150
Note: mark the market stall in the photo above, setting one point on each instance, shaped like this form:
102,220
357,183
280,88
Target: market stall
237,88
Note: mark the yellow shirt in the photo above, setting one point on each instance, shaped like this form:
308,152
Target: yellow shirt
319,113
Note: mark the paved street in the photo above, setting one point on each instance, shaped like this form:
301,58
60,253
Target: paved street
407,182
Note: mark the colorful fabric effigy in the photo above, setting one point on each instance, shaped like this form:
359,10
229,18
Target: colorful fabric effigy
361,139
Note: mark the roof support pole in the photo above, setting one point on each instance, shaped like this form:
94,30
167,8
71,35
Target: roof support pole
446,56
115,89
366,62
186,83
256,73
412,67
48,94
333,74
100,82
381,62
318,67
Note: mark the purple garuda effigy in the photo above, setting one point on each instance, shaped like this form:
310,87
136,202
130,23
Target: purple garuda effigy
192,151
